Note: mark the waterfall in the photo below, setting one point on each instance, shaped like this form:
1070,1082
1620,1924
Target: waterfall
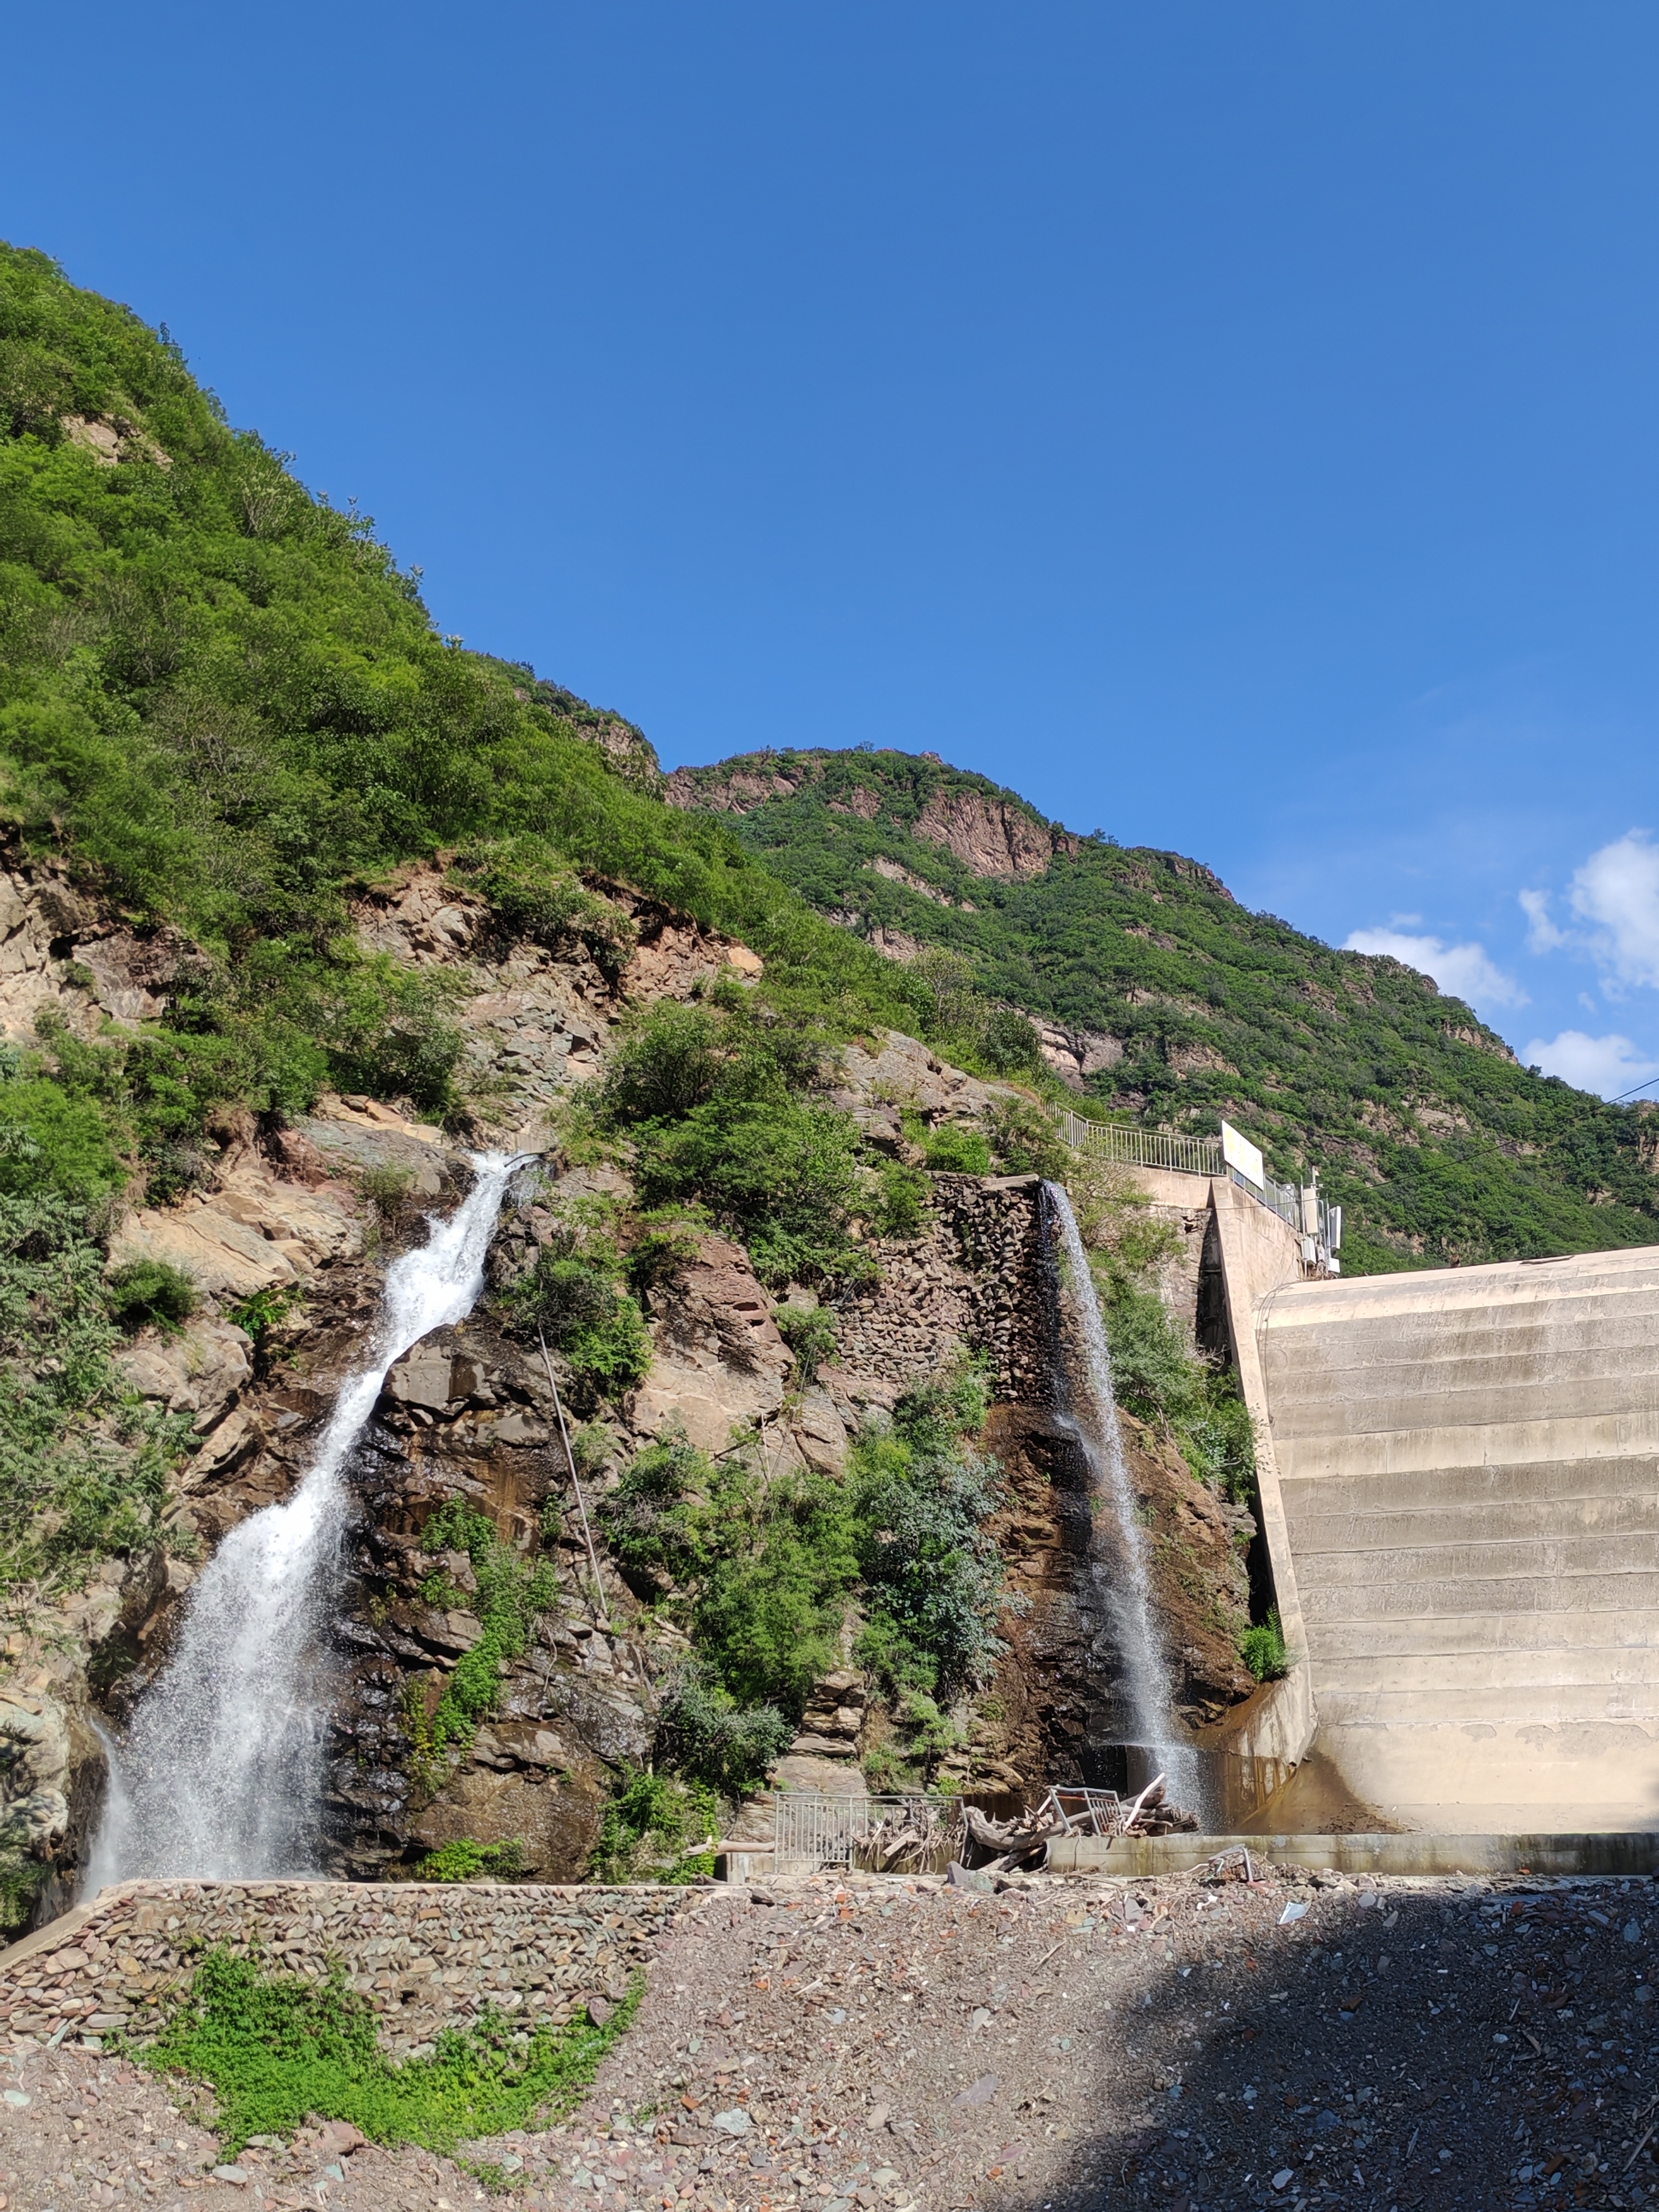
222,1775
1118,1549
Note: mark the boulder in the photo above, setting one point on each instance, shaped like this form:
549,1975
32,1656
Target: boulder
225,1258
199,1370
829,1777
556,1824
34,1768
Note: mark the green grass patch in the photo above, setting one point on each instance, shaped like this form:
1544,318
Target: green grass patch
277,2050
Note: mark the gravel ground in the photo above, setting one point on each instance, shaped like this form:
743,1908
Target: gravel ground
868,2046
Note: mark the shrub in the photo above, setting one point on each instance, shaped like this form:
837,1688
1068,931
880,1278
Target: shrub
705,1734
900,1203
932,1578
386,1189
957,1150
21,1880
781,1175
652,1828
666,1066
762,1567
1263,1650
50,1139
84,1464
944,990
261,1313
533,894
466,1861
667,1240
1010,1045
575,1300
719,1096
1025,1140
151,1291
1160,1379
812,1333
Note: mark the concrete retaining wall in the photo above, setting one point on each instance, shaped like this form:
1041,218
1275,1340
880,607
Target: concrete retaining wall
1255,1750
1140,1856
1466,1464
427,1955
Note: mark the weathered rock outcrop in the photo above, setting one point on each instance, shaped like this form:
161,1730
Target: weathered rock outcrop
469,1415
994,837
992,832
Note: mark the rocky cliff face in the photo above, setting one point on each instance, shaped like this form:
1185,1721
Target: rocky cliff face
302,1212
991,832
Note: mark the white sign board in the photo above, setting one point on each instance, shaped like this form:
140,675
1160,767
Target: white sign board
1239,1152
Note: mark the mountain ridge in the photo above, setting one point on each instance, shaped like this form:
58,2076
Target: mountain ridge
1159,997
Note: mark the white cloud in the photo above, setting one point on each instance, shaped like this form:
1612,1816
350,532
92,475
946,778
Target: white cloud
1462,970
1542,935
1617,890
1606,1065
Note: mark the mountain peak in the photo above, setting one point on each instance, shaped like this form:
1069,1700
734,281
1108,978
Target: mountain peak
994,832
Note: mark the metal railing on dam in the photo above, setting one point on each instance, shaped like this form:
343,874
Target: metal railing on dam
1302,1207
1141,1148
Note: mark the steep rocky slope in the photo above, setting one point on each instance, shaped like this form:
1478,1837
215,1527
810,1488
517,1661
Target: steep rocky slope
291,1231
1159,997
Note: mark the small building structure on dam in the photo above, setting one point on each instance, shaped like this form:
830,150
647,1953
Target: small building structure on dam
1459,1475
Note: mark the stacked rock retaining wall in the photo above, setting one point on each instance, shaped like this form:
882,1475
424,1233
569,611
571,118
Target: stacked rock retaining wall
973,1280
427,1955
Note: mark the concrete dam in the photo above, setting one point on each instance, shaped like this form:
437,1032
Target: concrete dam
1459,1499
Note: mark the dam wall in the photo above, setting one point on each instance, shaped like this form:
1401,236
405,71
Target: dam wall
1460,1495
1459,1500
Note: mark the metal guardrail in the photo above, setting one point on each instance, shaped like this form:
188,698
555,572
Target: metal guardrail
815,1832
1141,1148
1311,1218
1318,1224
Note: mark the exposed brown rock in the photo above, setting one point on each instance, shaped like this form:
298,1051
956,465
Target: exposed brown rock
994,837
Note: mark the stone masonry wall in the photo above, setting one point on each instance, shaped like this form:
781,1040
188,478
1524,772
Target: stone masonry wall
427,1955
972,1279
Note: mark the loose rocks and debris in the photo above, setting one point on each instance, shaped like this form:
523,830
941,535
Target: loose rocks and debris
1059,2044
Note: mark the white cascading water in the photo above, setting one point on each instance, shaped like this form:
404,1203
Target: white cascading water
221,1776
1121,1578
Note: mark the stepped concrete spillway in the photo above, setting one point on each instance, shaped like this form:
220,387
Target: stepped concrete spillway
1461,1500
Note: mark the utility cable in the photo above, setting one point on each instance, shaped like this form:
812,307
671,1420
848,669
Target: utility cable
575,1480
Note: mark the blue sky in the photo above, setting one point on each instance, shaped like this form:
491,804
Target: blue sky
1233,428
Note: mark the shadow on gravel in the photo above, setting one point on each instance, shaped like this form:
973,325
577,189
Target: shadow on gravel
1456,2048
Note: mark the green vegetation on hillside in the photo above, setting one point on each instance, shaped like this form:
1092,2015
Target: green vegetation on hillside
84,1461
224,700
224,708
760,1565
1438,1145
